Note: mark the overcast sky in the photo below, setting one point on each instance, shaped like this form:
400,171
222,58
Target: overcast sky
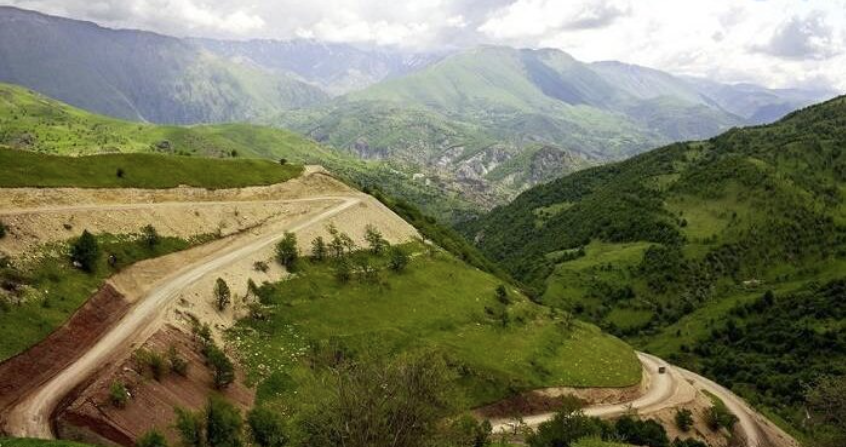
779,43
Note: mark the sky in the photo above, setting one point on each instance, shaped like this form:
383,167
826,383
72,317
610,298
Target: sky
777,43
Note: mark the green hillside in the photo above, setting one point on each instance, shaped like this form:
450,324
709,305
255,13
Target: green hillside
35,123
500,343
674,249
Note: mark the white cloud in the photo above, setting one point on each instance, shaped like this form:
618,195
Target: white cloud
774,42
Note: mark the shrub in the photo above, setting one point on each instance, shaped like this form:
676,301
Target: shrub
151,439
287,251
177,363
3,230
222,294
85,251
318,249
223,423
502,295
190,427
718,416
150,236
375,240
119,173
153,361
261,266
118,394
637,432
399,259
684,419
343,272
569,425
266,428
223,371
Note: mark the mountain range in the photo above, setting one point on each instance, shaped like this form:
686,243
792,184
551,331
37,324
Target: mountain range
488,122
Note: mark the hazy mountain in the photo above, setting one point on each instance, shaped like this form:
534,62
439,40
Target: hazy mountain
334,67
138,75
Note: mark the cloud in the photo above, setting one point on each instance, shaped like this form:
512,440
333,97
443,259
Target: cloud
802,38
779,43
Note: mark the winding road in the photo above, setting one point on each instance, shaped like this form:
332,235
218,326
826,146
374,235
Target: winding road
31,416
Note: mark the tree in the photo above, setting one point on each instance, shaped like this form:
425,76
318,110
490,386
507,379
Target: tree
266,428
2,230
223,371
287,251
224,423
118,394
375,240
190,427
827,403
567,426
151,439
177,363
637,432
375,402
343,272
85,251
399,259
150,236
718,416
684,419
319,250
222,294
502,294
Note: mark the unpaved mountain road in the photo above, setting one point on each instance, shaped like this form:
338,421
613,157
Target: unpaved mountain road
31,416
674,387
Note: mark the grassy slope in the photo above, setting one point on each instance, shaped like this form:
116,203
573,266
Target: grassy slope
36,123
29,442
55,289
22,168
437,302
678,240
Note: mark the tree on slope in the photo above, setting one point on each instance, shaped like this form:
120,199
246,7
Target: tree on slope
85,251
287,251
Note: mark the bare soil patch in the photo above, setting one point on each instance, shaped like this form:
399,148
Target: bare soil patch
91,417
28,370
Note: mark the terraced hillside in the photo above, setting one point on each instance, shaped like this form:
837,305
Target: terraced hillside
691,249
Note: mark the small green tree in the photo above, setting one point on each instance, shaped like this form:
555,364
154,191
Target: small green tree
718,416
399,259
190,427
85,251
151,439
222,294
375,240
223,371
150,236
266,427
684,419
343,271
177,363
224,423
287,252
318,249
118,394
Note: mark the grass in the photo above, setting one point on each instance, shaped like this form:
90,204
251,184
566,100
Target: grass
442,303
22,169
56,289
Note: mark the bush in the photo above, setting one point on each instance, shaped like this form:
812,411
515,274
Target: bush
150,236
569,425
261,266
222,294
684,419
266,428
177,363
375,240
85,251
399,259
223,423
718,416
118,394
3,230
502,294
152,361
223,371
287,252
637,432
190,427
151,439
318,249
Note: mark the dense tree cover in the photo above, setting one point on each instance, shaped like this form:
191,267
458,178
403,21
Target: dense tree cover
753,208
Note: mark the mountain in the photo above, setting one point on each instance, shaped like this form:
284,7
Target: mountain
138,75
474,117
334,67
726,255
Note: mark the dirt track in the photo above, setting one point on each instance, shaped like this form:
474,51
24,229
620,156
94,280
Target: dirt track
155,285
671,389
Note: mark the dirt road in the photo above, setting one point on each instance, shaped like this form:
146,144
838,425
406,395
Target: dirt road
31,417
674,387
